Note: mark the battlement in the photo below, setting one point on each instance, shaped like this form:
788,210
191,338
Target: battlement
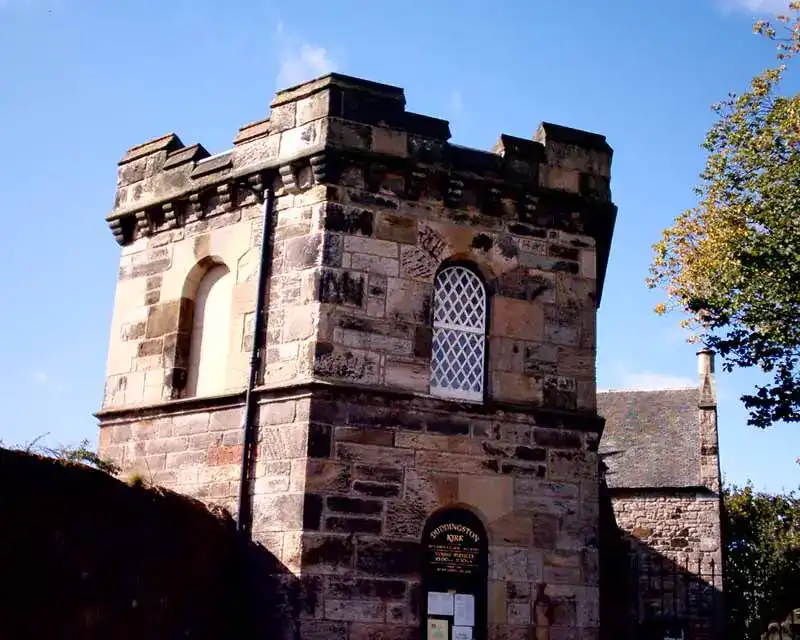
319,129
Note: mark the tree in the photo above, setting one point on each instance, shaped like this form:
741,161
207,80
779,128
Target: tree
762,559
732,263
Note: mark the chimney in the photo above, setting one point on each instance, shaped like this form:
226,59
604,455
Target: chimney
707,404
708,386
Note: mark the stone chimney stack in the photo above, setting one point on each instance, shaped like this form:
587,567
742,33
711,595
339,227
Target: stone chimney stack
707,405
708,386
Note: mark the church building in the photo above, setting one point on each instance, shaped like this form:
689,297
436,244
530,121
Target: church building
377,350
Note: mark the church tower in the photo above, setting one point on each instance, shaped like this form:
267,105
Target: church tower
377,350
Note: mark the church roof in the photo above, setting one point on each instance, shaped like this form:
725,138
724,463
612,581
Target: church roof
651,438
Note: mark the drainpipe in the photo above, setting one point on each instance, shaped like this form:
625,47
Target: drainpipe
261,315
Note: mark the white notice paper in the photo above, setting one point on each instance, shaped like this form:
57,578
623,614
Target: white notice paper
464,610
440,604
462,633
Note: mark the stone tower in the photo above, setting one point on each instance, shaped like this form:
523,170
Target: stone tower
415,418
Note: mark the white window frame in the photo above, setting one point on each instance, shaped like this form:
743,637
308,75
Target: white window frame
472,328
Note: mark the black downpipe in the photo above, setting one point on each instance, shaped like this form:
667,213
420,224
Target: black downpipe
244,519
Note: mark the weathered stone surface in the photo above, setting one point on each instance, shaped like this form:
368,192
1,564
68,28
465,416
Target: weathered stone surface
346,484
386,557
327,553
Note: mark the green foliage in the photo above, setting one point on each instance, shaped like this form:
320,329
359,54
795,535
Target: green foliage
75,454
732,263
762,559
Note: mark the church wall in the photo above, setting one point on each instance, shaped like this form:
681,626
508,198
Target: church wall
353,453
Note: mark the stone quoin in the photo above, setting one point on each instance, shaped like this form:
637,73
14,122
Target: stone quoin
428,352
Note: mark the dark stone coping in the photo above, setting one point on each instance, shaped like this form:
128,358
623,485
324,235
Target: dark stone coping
358,394
251,131
168,142
194,153
213,164
305,89
578,137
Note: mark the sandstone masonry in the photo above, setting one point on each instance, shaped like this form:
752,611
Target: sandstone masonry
354,453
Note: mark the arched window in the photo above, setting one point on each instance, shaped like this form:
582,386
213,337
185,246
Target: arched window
208,351
459,335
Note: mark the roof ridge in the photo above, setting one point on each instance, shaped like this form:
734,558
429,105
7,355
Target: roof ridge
687,388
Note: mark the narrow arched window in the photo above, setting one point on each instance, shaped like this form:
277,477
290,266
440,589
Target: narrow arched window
208,350
459,335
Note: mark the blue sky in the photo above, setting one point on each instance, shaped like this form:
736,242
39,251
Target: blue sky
83,80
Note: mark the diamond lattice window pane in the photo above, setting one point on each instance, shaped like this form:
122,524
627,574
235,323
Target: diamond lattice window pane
460,300
459,335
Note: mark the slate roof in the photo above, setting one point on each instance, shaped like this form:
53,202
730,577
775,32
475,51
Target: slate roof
651,438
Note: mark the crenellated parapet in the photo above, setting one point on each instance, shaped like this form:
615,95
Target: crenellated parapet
343,130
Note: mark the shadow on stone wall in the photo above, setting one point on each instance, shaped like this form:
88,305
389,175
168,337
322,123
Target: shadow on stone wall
84,556
646,595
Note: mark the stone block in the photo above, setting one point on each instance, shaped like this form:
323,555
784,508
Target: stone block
226,419
299,322
275,413
454,463
405,519
166,445
282,512
327,553
515,387
164,317
561,179
183,459
511,530
354,506
556,438
364,435
435,442
378,473
388,557
390,142
312,107
289,441
374,264
588,262
560,392
396,228
353,588
508,563
373,455
341,287
372,246
407,375
417,264
493,497
563,326
496,606
271,484
374,341
302,252
517,319
372,631
408,301
299,139
348,134
222,455
377,490
190,424
570,465
369,526
320,475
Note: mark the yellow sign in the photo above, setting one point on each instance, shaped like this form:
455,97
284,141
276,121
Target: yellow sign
437,629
